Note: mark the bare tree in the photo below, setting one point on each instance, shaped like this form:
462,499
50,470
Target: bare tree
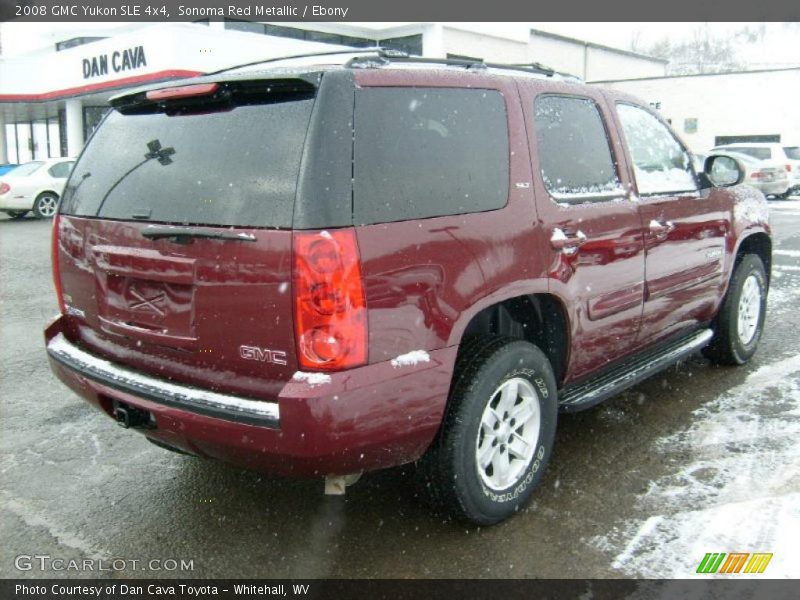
702,51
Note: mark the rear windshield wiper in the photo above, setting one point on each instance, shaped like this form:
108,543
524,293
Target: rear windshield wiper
182,235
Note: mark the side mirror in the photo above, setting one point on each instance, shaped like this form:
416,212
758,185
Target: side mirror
721,170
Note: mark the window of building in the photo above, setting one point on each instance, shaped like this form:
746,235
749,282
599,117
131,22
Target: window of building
722,140
247,26
410,44
92,115
299,34
463,57
78,41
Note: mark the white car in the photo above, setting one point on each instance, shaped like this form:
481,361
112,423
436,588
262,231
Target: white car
35,186
788,156
768,176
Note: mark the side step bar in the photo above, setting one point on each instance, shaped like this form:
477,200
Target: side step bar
583,395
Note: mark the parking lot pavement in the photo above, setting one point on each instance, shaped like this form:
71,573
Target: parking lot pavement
668,466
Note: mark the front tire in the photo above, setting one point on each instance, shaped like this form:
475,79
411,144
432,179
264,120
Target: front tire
46,205
740,321
498,432
16,214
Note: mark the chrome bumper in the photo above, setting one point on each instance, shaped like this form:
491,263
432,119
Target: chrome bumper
230,408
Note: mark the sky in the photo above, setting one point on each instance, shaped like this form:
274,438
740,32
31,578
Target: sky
779,46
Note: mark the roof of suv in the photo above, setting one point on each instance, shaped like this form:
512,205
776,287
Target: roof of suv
363,60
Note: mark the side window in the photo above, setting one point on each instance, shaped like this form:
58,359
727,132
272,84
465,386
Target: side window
428,152
574,153
60,170
661,165
759,153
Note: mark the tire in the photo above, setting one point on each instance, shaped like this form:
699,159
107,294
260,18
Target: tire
46,205
736,339
17,214
480,421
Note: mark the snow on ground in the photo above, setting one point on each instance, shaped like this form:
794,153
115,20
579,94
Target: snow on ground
792,205
735,481
736,487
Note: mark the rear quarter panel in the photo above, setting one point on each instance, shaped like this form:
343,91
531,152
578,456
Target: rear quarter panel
425,279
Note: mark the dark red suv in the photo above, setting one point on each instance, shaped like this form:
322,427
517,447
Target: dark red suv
323,271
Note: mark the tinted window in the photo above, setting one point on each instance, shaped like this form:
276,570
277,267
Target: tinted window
231,167
422,152
574,155
27,169
660,163
60,170
792,152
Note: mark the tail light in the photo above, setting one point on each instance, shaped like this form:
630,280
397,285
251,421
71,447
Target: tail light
56,267
788,170
184,91
330,311
4,187
758,174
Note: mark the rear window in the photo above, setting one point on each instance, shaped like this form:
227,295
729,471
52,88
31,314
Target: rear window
792,152
428,152
27,169
229,167
60,170
759,153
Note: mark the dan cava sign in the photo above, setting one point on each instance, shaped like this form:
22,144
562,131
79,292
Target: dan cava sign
118,61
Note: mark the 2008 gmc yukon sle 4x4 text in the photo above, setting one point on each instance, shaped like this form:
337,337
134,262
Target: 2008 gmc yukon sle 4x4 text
327,270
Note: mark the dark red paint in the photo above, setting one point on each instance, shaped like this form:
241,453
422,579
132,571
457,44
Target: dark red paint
626,288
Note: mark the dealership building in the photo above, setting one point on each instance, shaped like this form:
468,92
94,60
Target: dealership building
52,99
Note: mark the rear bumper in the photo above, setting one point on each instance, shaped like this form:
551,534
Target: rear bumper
241,410
362,419
773,187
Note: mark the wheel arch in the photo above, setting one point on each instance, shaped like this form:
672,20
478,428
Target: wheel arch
539,318
758,243
39,193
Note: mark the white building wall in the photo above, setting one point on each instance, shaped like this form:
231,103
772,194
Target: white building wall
561,55
755,103
607,64
167,47
489,48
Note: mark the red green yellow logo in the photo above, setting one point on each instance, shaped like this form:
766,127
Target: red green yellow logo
734,562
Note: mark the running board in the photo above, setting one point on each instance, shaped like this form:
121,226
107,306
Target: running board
586,394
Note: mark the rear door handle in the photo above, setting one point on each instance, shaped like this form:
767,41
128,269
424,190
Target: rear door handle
567,244
658,228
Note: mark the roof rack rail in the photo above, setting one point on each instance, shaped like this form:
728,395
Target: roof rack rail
380,56
387,56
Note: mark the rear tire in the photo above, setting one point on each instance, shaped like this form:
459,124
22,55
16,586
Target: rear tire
46,205
498,431
740,321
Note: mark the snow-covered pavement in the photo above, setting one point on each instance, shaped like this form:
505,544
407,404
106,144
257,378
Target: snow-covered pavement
733,482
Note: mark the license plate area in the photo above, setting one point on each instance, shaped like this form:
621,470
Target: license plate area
160,307
146,296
